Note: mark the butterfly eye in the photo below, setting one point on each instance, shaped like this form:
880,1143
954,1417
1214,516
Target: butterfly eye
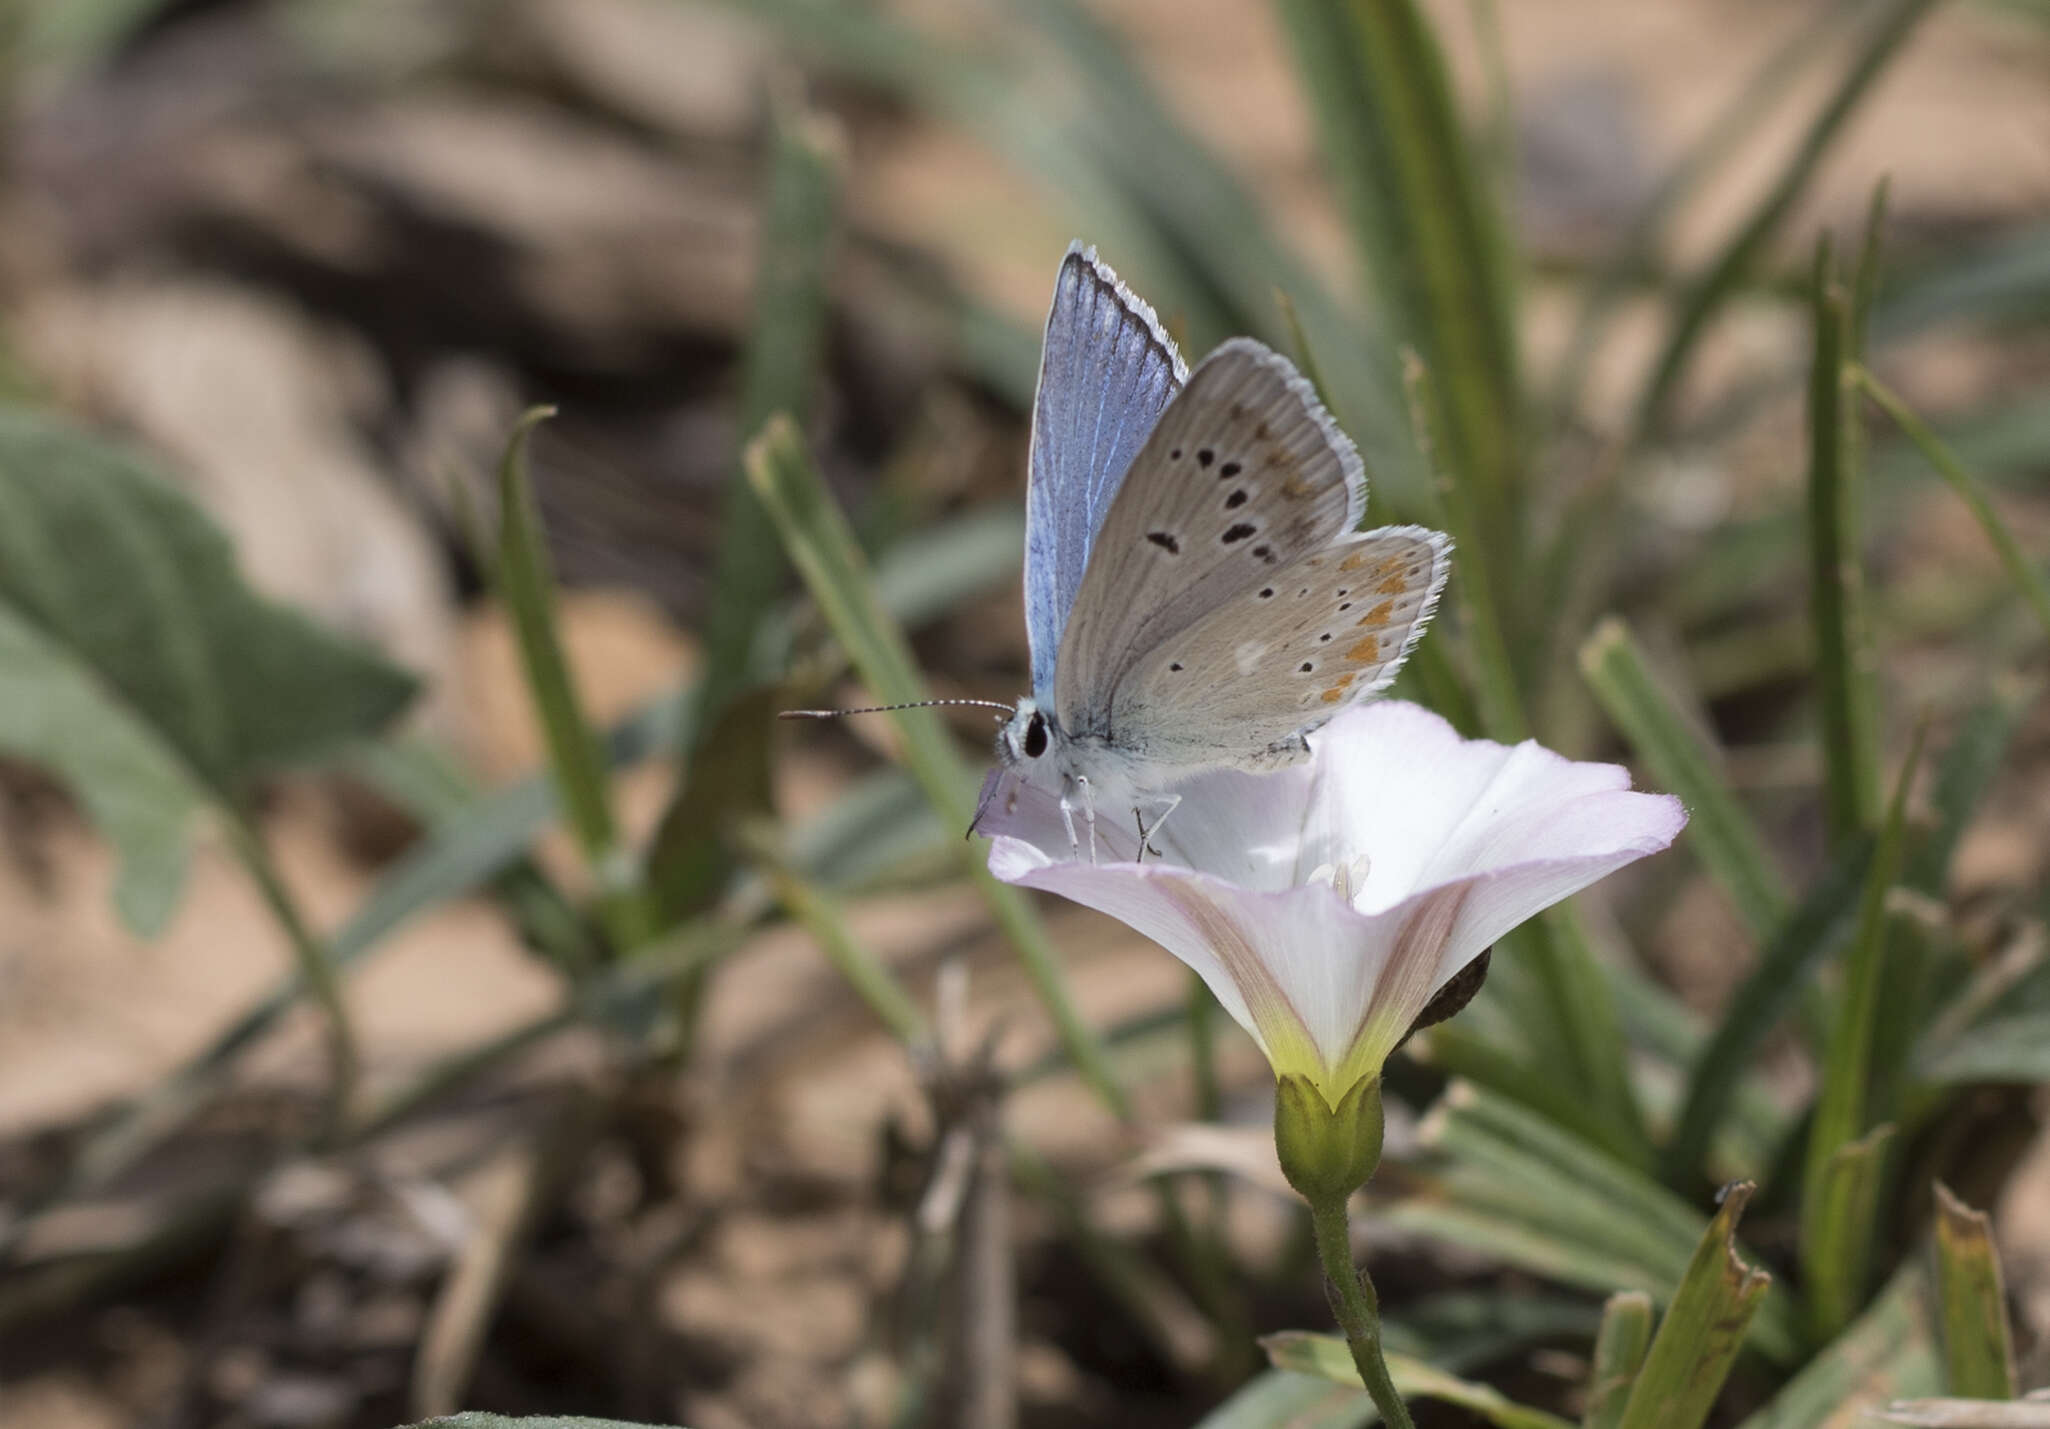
1035,736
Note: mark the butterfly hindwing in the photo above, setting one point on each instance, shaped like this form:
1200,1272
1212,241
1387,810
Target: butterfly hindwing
1106,373
1243,475
1287,653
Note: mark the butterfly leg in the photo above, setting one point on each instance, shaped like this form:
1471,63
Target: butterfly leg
1168,804
1088,812
1068,818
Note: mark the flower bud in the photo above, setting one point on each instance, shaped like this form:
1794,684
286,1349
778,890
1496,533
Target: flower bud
1327,1153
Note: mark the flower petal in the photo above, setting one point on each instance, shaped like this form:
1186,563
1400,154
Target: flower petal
1201,920
1618,828
1426,807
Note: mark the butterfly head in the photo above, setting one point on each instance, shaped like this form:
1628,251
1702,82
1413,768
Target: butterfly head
1027,737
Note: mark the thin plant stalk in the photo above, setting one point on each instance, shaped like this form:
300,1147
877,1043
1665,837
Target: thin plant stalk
316,967
1358,1308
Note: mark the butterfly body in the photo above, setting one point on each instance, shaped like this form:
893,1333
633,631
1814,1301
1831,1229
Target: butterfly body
1196,592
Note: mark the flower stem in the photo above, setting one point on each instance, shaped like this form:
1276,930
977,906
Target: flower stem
316,966
1358,1311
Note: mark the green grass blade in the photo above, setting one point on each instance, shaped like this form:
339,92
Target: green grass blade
1887,1352
2000,281
1584,1007
1638,252
1619,1350
1836,575
1865,276
1883,40
725,775
1805,939
1834,1253
1963,777
524,581
2014,1048
1978,1354
1461,1052
779,371
820,915
1434,244
1497,696
1703,1329
1836,1244
1730,847
824,551
1516,1186
2025,575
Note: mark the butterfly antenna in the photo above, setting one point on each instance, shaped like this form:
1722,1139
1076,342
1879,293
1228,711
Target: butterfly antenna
879,709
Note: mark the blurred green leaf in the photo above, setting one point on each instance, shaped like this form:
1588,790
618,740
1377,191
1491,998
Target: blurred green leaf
1327,1357
1886,1352
139,667
1730,846
1836,1246
2002,281
2014,1048
1978,1355
1883,38
73,33
525,584
1434,245
1845,684
1919,943
1811,934
1514,1186
1459,1330
1638,251
820,915
56,713
1461,1051
724,776
1279,1397
1936,1413
477,1419
1619,1351
1703,1328
727,781
2026,577
1835,1217
779,371
824,551
1963,777
1161,205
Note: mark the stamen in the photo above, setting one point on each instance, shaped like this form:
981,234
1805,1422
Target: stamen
1346,879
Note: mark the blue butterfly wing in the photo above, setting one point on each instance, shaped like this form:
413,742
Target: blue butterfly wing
1106,373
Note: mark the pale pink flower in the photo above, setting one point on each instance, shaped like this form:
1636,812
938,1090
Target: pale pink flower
1325,903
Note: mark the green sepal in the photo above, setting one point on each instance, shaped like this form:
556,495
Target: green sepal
1327,1152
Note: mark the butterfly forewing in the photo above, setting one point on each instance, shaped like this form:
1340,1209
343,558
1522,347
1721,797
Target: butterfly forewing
1106,373
1243,475
1286,654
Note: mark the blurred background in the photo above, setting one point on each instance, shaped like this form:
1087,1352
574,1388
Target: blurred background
309,260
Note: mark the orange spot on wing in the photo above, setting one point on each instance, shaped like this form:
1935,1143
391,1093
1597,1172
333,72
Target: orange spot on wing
1352,562
1394,585
1378,615
1368,648
1337,692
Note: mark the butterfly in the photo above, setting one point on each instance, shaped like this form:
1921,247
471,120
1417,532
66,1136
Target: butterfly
1197,594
